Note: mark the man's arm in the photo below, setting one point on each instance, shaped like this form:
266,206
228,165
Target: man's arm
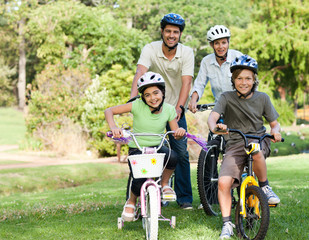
184,93
140,70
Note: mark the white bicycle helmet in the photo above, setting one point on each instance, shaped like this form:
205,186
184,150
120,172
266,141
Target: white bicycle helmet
217,32
150,79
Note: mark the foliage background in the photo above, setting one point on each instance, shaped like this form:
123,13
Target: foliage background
82,55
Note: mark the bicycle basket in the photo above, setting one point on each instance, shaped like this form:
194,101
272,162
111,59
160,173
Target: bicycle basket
147,165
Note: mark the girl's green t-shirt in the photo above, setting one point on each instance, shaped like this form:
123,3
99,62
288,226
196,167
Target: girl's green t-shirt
146,122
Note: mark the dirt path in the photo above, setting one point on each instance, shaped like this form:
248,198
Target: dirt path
18,159
9,159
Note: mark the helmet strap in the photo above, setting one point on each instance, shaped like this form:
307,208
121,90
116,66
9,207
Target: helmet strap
245,95
222,58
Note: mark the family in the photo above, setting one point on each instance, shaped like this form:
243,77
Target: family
163,78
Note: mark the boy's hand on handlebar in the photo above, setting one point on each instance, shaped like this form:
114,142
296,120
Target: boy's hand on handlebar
220,129
277,137
179,133
117,132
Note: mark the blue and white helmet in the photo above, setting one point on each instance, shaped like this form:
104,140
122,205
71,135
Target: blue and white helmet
244,62
173,19
217,32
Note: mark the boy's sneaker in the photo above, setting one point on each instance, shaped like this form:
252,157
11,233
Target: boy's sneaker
227,230
271,196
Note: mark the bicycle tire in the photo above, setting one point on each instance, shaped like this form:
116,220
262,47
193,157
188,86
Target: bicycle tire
207,180
152,217
253,226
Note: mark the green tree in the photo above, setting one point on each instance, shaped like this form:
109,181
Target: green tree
14,17
278,38
75,34
200,15
6,85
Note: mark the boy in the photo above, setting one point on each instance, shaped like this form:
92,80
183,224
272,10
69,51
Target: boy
243,109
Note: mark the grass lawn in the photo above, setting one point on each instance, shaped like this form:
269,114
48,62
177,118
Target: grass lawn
89,210
12,126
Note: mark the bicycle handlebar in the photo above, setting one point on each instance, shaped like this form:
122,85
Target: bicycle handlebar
127,133
204,107
246,136
200,108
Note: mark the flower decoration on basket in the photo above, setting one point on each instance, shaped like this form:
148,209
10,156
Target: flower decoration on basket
154,161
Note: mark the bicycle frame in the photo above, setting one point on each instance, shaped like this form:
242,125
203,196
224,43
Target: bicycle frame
250,179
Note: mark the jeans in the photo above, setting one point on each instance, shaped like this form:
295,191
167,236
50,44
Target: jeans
183,186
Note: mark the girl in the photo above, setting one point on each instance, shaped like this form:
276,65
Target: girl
150,115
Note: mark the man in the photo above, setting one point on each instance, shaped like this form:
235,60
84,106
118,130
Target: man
175,62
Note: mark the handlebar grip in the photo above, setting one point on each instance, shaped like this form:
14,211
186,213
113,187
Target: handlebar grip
282,139
109,134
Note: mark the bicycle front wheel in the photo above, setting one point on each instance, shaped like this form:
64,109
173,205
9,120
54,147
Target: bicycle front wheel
207,180
255,224
151,220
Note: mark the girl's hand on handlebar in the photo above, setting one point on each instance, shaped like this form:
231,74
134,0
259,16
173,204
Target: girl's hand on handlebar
221,129
117,132
179,133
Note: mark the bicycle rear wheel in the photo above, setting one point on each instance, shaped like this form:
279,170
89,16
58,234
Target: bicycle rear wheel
255,225
207,180
151,220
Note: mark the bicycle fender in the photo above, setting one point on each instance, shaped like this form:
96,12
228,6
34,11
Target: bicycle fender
250,180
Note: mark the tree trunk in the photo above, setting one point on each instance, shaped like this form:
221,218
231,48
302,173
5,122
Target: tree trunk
282,93
22,66
295,111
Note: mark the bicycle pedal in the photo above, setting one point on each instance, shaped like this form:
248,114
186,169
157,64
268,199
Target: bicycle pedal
169,199
272,205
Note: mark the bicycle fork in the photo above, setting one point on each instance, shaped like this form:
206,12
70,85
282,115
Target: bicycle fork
249,181
144,187
254,203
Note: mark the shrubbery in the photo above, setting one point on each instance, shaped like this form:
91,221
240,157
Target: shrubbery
98,98
56,102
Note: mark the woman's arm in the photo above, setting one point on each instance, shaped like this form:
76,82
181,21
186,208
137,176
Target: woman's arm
109,117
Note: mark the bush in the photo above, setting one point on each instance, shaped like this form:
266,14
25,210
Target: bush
97,99
56,102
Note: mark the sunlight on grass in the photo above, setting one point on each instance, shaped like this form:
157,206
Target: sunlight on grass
12,126
90,210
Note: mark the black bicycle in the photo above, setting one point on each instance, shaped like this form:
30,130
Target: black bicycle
208,169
